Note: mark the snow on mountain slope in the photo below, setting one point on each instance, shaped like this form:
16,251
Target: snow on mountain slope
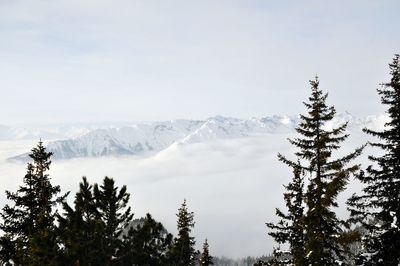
144,138
126,140
153,137
219,127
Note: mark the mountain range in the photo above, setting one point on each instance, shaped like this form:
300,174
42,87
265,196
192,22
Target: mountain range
142,138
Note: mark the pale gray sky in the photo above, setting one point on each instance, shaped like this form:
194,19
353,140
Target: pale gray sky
123,60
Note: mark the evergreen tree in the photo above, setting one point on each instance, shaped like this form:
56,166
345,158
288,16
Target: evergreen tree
182,252
29,237
327,178
91,233
115,216
80,229
378,208
147,244
290,228
206,259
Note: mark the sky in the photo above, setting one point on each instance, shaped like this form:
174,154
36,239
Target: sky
65,61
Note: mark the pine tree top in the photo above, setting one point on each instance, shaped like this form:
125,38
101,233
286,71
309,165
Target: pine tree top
185,219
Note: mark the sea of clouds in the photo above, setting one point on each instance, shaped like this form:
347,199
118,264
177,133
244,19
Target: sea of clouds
233,186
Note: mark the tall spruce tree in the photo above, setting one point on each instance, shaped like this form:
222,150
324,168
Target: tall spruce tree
112,205
327,177
290,228
80,229
378,208
91,233
182,252
206,259
29,223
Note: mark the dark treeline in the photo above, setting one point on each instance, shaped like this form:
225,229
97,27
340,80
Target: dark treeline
38,226
98,229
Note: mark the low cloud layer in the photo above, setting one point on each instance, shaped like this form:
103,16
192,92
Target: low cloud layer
232,186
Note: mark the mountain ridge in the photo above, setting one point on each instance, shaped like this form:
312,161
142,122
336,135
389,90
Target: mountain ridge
142,138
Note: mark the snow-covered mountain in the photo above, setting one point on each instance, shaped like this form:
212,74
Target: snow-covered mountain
220,127
124,140
145,138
